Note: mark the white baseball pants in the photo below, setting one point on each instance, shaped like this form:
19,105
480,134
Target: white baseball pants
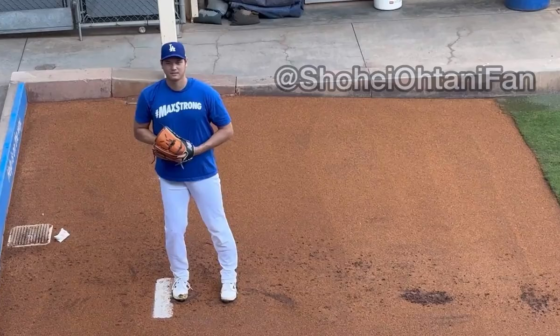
207,195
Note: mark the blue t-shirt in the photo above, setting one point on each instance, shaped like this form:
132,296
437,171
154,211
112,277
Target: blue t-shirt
189,113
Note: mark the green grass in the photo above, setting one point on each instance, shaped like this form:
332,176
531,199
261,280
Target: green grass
538,121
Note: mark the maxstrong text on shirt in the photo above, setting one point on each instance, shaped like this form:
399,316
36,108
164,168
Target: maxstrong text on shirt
164,110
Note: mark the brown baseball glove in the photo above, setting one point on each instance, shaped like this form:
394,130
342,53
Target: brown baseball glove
169,146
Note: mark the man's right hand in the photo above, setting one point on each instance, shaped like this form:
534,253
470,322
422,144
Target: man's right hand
143,133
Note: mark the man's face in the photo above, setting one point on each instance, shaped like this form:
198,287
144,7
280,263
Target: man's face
174,68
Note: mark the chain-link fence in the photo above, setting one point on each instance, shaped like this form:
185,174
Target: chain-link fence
120,13
88,13
18,5
28,16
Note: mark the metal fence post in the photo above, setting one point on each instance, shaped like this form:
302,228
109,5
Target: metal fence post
77,6
183,11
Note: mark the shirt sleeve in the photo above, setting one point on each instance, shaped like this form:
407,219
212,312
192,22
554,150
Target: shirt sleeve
219,115
143,114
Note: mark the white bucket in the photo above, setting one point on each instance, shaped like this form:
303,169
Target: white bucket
387,4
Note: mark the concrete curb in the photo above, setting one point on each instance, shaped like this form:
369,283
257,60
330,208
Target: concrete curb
63,85
73,84
11,128
267,86
130,82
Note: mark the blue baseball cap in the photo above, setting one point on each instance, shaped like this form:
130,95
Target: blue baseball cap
173,49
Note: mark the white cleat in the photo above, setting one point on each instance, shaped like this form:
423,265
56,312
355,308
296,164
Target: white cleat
181,289
229,292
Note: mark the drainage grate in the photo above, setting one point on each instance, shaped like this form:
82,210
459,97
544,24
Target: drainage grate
30,235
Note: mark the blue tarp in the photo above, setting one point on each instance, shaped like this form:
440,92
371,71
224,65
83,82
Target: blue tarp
293,10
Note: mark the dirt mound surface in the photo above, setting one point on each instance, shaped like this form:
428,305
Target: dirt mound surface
352,217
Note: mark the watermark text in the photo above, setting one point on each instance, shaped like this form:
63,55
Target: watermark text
403,78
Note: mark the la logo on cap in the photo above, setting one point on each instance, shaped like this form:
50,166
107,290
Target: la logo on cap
171,48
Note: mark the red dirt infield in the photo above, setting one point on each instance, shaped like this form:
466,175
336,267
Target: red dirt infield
352,217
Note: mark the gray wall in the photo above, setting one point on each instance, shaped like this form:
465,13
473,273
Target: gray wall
15,5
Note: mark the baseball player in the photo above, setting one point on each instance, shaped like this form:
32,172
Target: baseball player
189,107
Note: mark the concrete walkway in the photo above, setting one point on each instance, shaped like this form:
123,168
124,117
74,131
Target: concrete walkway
455,34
